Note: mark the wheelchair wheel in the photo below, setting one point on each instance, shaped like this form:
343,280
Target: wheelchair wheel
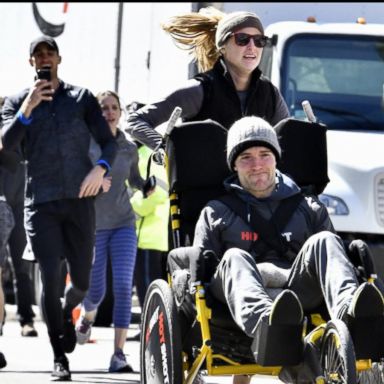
337,357
375,375
160,340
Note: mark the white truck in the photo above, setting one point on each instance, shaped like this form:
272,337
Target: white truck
339,69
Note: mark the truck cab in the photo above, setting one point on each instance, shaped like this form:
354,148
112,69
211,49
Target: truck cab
339,69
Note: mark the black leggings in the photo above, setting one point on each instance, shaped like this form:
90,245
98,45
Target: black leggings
22,268
150,265
62,229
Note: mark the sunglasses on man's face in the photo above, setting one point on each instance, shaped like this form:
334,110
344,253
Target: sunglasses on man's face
242,39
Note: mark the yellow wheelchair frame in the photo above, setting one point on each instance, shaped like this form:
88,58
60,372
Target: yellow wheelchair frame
207,355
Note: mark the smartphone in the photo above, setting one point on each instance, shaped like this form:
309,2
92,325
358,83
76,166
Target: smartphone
44,73
149,185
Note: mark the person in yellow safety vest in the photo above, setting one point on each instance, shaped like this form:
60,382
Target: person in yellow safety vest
151,226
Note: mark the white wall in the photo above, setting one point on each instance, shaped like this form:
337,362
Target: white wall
142,33
88,47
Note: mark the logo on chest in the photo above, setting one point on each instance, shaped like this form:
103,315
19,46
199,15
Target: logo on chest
287,236
253,236
249,236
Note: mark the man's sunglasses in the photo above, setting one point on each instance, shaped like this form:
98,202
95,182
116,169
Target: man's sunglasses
242,39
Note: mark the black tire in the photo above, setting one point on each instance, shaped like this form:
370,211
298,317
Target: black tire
160,340
337,357
375,375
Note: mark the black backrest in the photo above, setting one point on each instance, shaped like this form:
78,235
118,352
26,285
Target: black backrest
196,168
304,153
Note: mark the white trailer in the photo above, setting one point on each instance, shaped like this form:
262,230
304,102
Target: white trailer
118,46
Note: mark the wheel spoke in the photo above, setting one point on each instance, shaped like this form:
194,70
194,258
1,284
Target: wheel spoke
337,355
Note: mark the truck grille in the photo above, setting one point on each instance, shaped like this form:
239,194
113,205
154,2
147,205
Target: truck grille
380,198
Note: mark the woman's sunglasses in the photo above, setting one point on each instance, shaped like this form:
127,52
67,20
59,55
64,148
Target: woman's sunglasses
242,39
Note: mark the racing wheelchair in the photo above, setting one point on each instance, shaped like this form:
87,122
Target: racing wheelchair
185,332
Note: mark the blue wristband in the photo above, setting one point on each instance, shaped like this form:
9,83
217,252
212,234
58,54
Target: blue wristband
23,119
104,164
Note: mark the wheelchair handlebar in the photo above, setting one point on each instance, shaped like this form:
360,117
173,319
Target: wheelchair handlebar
172,121
308,111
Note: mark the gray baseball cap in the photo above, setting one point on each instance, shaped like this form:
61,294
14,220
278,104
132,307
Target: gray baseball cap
43,39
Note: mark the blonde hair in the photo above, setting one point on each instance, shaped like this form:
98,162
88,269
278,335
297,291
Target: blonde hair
195,32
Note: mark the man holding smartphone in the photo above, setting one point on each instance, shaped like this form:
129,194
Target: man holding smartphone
53,122
44,73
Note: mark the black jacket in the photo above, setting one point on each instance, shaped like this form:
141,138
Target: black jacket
211,95
56,143
221,100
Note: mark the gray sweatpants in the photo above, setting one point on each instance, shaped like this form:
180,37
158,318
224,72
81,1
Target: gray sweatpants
321,271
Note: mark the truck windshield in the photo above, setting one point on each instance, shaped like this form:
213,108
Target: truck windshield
342,76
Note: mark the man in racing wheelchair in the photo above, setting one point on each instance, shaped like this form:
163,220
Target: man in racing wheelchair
275,250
